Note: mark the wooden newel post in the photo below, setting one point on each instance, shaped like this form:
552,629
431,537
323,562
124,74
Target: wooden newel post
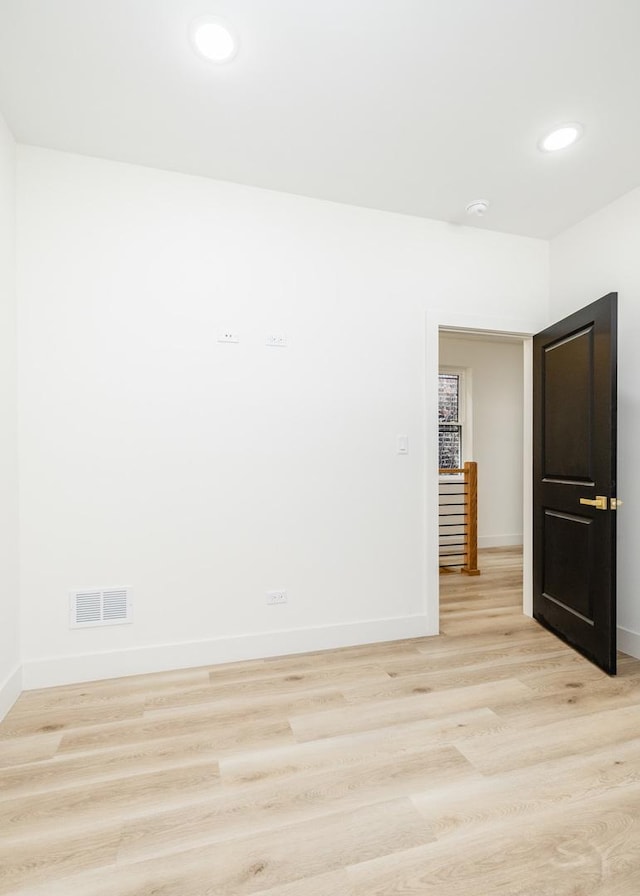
471,519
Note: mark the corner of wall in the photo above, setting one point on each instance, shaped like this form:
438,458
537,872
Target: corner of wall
10,690
629,642
10,669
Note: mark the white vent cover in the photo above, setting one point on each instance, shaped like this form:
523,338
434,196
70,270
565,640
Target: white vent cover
109,606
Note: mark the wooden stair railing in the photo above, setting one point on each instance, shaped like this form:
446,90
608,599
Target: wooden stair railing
458,512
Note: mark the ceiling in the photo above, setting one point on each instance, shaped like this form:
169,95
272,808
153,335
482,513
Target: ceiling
412,106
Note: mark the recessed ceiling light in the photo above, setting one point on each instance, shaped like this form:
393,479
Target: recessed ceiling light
213,39
560,138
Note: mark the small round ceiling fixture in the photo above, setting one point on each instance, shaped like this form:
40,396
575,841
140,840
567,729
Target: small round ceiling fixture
213,39
478,207
561,138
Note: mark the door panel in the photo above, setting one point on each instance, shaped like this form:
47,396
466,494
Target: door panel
567,366
574,453
568,544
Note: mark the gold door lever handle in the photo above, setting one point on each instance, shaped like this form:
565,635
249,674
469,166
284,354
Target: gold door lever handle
600,502
615,503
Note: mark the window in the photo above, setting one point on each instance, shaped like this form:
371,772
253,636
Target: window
451,407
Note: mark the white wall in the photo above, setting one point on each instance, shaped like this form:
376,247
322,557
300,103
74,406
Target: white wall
9,598
597,256
496,371
204,474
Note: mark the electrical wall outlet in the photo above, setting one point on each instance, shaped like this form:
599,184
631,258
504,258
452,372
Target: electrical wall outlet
276,597
277,340
228,336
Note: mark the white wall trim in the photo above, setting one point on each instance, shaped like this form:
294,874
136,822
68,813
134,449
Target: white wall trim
62,670
527,478
10,690
499,541
467,322
629,642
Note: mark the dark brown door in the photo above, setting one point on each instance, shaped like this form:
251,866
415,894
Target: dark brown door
574,480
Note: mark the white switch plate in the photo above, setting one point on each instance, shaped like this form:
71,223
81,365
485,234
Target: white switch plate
403,444
228,336
276,597
277,340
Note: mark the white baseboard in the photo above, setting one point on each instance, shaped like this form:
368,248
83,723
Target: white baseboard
161,658
629,642
10,690
499,541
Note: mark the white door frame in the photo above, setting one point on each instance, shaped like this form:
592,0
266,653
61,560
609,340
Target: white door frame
525,329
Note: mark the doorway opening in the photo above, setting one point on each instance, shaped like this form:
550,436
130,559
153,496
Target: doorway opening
482,379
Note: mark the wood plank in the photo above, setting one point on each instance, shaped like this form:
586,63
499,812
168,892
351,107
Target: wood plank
456,809
385,713
88,768
593,850
247,865
80,807
356,749
495,754
228,723
19,750
289,683
294,799
406,685
335,883
57,856
38,721
133,687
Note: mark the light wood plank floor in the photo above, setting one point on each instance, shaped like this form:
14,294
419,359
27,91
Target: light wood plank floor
490,761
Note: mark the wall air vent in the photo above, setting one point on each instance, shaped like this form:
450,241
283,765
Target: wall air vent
109,606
